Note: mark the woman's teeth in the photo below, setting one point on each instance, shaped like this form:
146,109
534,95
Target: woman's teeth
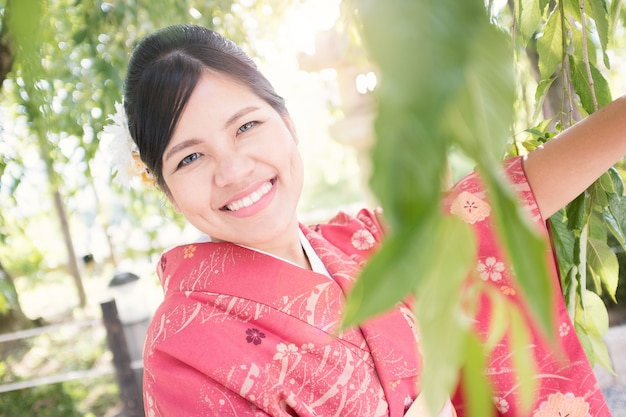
251,199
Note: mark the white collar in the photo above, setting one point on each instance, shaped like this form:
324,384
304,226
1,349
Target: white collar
316,263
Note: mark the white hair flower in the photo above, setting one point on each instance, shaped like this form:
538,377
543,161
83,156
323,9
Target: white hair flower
128,168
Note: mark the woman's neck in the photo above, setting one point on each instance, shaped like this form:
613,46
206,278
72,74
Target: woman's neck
289,248
293,252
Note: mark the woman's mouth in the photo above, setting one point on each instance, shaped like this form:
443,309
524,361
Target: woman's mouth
252,198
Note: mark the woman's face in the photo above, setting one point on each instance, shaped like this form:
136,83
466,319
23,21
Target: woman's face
232,166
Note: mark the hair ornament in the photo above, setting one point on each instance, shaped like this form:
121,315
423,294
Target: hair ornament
127,166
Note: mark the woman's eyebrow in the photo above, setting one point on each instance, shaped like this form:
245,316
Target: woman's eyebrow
232,119
180,146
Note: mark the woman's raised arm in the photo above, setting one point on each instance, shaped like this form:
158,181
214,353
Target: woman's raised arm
565,166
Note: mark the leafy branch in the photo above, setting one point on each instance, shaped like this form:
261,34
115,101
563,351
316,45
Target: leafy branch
588,267
447,83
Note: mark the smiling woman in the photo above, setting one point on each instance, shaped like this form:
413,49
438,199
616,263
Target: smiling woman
223,148
250,320
232,168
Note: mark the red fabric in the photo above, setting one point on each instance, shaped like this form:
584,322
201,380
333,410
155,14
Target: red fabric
241,333
566,382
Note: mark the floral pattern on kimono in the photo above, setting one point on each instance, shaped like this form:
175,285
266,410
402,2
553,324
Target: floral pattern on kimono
241,333
566,382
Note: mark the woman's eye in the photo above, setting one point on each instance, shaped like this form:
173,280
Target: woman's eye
189,159
246,127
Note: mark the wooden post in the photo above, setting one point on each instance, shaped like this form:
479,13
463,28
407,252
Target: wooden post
129,389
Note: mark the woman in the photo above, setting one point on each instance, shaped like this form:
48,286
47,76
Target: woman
249,323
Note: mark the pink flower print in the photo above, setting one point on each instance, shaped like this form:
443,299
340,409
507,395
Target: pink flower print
501,404
470,208
491,269
367,220
363,239
254,336
506,290
407,402
188,252
284,351
307,347
150,402
564,329
560,405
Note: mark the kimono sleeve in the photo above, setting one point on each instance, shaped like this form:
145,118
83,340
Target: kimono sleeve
177,379
566,384
173,399
358,236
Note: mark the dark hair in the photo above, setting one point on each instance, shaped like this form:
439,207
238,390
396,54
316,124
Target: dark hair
162,73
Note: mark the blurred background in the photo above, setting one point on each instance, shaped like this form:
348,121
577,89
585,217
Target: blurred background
72,239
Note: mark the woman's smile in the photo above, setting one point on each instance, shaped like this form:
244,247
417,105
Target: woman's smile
250,201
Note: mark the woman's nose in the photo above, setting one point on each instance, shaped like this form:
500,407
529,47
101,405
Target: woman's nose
232,167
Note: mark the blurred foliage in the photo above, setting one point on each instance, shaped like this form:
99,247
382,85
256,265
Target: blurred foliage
450,80
573,48
62,350
45,401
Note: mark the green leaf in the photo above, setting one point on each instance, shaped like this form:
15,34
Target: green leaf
600,352
523,361
563,241
615,218
603,266
438,307
577,213
596,224
606,183
618,182
550,45
499,321
475,383
600,16
530,16
592,323
583,87
540,94
483,105
416,195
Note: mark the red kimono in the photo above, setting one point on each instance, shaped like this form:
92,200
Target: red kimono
241,333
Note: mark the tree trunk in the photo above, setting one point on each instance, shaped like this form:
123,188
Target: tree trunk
7,51
558,105
6,57
71,261
14,318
